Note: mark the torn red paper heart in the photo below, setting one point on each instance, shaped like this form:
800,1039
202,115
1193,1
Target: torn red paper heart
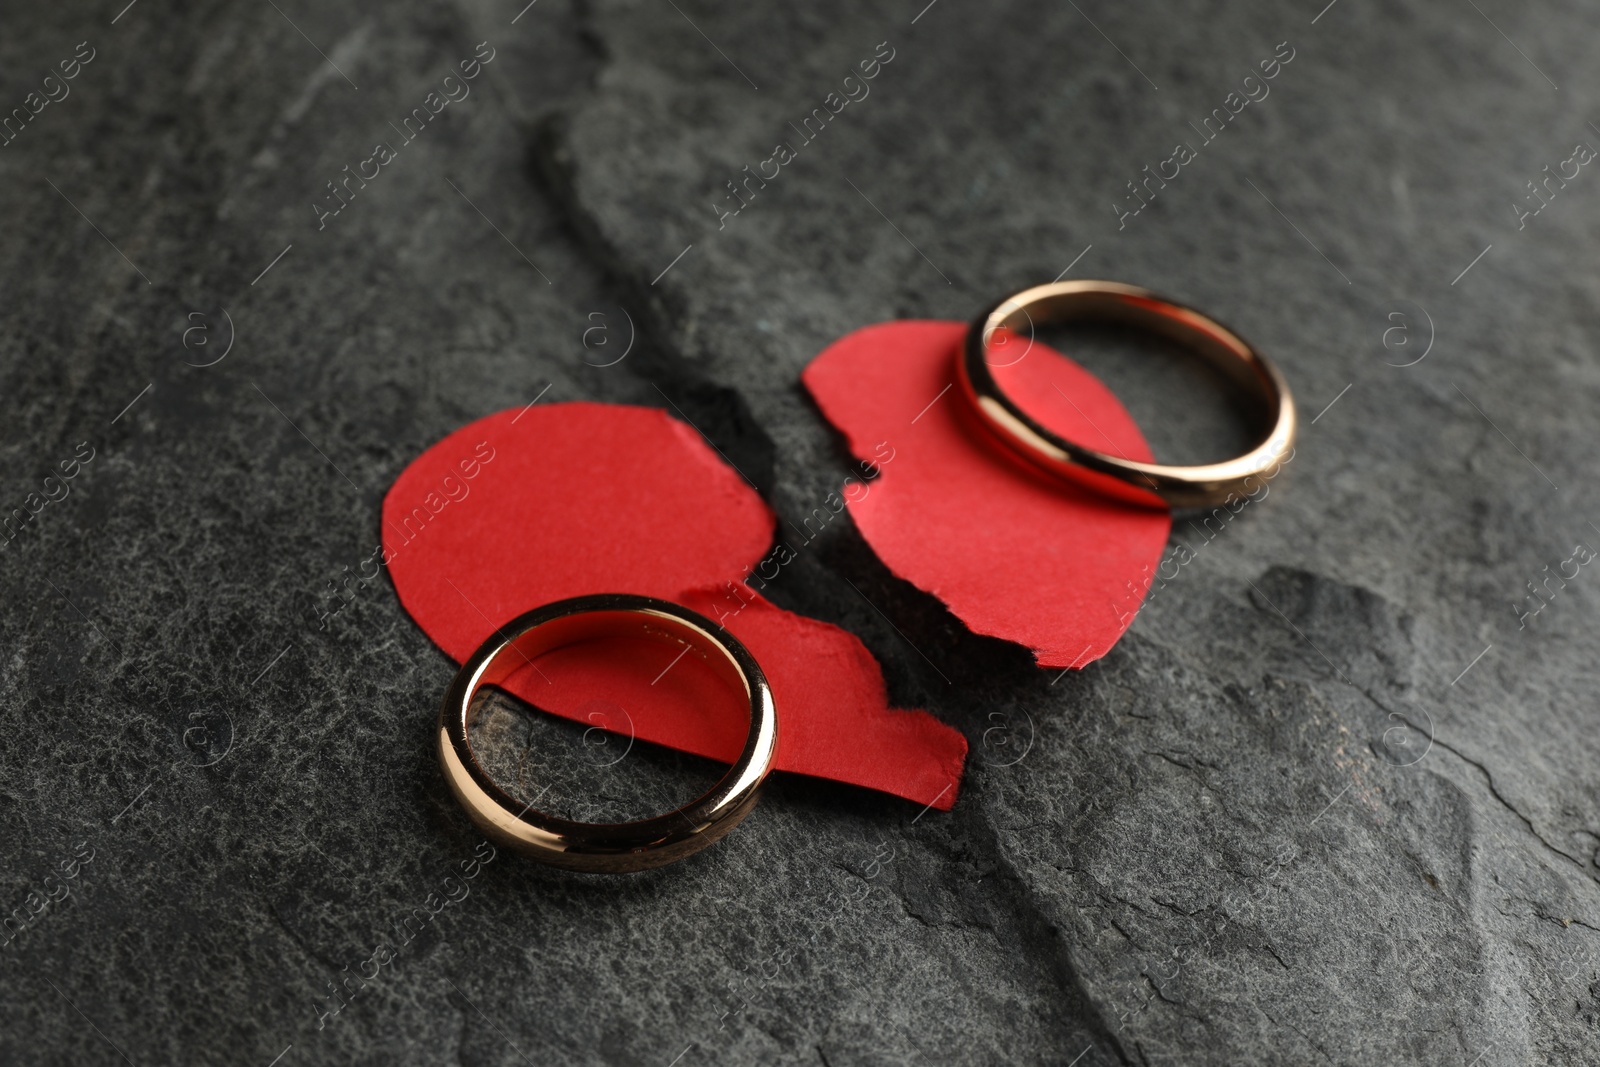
533,505
1012,552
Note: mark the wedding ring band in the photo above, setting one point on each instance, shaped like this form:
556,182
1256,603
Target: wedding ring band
1145,483
606,847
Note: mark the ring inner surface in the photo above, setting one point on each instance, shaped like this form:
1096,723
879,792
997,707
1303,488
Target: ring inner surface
575,629
687,640
1195,333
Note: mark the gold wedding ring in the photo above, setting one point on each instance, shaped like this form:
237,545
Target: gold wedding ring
1145,483
606,847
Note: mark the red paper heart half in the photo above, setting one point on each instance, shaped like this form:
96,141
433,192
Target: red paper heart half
1012,552
533,505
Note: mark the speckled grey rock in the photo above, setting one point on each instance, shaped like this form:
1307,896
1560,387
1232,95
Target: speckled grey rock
1333,799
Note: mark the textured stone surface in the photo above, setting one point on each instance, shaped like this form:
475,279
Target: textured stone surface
1331,800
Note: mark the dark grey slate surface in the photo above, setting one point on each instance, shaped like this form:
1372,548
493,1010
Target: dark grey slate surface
1331,800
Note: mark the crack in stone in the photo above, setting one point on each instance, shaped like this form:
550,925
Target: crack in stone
1493,791
1303,1035
1030,911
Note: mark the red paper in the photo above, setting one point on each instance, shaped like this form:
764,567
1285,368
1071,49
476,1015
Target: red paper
1013,552
571,499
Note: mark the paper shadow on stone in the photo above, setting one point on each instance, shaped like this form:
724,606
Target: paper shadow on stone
721,416
927,653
